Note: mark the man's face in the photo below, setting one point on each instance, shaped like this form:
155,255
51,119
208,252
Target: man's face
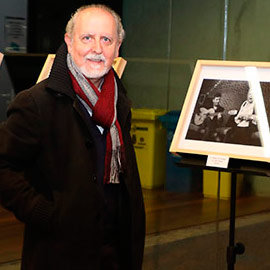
94,43
216,101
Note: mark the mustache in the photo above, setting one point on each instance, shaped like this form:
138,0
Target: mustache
95,57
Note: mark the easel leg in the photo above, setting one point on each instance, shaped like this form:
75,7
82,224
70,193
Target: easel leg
232,250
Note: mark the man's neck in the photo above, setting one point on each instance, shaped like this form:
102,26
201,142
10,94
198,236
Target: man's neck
96,82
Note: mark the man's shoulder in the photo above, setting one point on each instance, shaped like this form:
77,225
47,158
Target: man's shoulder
35,90
38,93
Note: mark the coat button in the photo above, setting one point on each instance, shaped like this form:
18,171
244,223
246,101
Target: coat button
94,178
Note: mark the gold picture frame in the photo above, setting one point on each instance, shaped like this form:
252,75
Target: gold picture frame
1,58
46,69
234,84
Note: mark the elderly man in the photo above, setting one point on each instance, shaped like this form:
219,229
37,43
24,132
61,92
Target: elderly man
67,164
244,129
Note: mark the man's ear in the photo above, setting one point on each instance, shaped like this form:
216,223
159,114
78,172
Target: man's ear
117,49
68,42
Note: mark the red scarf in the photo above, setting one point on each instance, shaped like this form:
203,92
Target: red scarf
104,114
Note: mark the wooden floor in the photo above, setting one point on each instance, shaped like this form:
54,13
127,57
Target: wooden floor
11,234
165,211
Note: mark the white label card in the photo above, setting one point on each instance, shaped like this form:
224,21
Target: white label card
217,161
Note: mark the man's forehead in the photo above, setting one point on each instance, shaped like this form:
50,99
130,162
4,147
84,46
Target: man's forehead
93,17
95,13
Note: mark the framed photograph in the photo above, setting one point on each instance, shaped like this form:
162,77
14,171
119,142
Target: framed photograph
226,111
119,65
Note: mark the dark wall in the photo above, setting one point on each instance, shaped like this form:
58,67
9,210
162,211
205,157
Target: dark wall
47,21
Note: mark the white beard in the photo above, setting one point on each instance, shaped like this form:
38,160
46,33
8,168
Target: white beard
94,74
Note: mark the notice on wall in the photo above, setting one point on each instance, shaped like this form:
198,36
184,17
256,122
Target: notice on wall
15,35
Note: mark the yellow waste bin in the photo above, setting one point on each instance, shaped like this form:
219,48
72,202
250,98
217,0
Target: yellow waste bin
210,184
149,140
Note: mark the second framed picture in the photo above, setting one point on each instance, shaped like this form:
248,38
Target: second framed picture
226,111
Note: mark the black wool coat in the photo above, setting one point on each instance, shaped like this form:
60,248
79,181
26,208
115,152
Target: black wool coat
48,178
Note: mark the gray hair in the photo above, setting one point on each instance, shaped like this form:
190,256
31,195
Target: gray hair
72,21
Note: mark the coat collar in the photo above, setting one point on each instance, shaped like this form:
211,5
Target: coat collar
59,79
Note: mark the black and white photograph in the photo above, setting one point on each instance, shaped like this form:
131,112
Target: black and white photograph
226,111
